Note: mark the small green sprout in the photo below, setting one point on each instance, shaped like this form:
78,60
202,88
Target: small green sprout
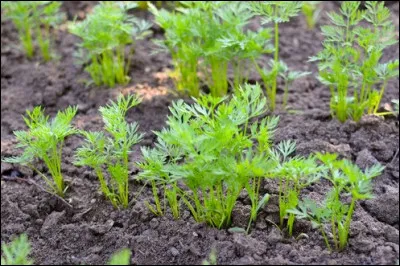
276,12
350,61
44,141
16,252
294,174
112,153
347,179
34,18
122,257
289,77
212,258
207,155
312,12
105,34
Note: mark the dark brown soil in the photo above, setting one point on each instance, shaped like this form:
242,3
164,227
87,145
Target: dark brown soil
91,230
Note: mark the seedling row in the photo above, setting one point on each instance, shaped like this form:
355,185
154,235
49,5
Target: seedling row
222,143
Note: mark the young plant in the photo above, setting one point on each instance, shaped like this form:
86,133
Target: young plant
16,252
207,155
34,18
350,61
212,258
44,141
276,12
208,37
294,175
347,179
311,12
289,77
111,152
105,34
122,257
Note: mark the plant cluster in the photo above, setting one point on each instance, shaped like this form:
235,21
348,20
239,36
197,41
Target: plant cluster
276,12
207,38
348,181
44,141
207,156
351,58
34,21
294,174
211,151
111,153
105,34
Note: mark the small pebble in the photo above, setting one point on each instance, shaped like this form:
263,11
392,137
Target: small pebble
154,223
174,251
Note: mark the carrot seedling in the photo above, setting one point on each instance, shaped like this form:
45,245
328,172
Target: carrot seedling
105,34
276,12
44,141
34,20
16,252
294,175
350,60
207,155
347,179
205,39
311,12
111,153
289,77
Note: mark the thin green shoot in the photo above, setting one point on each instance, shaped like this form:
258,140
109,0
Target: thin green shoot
111,153
276,12
44,141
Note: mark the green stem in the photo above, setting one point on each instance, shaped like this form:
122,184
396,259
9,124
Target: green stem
348,221
380,96
325,238
103,184
276,59
286,95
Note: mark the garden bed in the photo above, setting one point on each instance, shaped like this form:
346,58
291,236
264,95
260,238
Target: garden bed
88,229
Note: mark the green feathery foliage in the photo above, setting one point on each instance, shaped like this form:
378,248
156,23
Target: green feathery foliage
347,179
294,175
350,60
105,33
16,252
207,38
34,21
44,141
101,152
209,148
275,12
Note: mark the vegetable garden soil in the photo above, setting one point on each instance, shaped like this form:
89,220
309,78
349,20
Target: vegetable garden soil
87,229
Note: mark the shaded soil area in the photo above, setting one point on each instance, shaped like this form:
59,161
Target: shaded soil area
88,229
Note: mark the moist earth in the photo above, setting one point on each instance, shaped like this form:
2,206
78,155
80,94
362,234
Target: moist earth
85,228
